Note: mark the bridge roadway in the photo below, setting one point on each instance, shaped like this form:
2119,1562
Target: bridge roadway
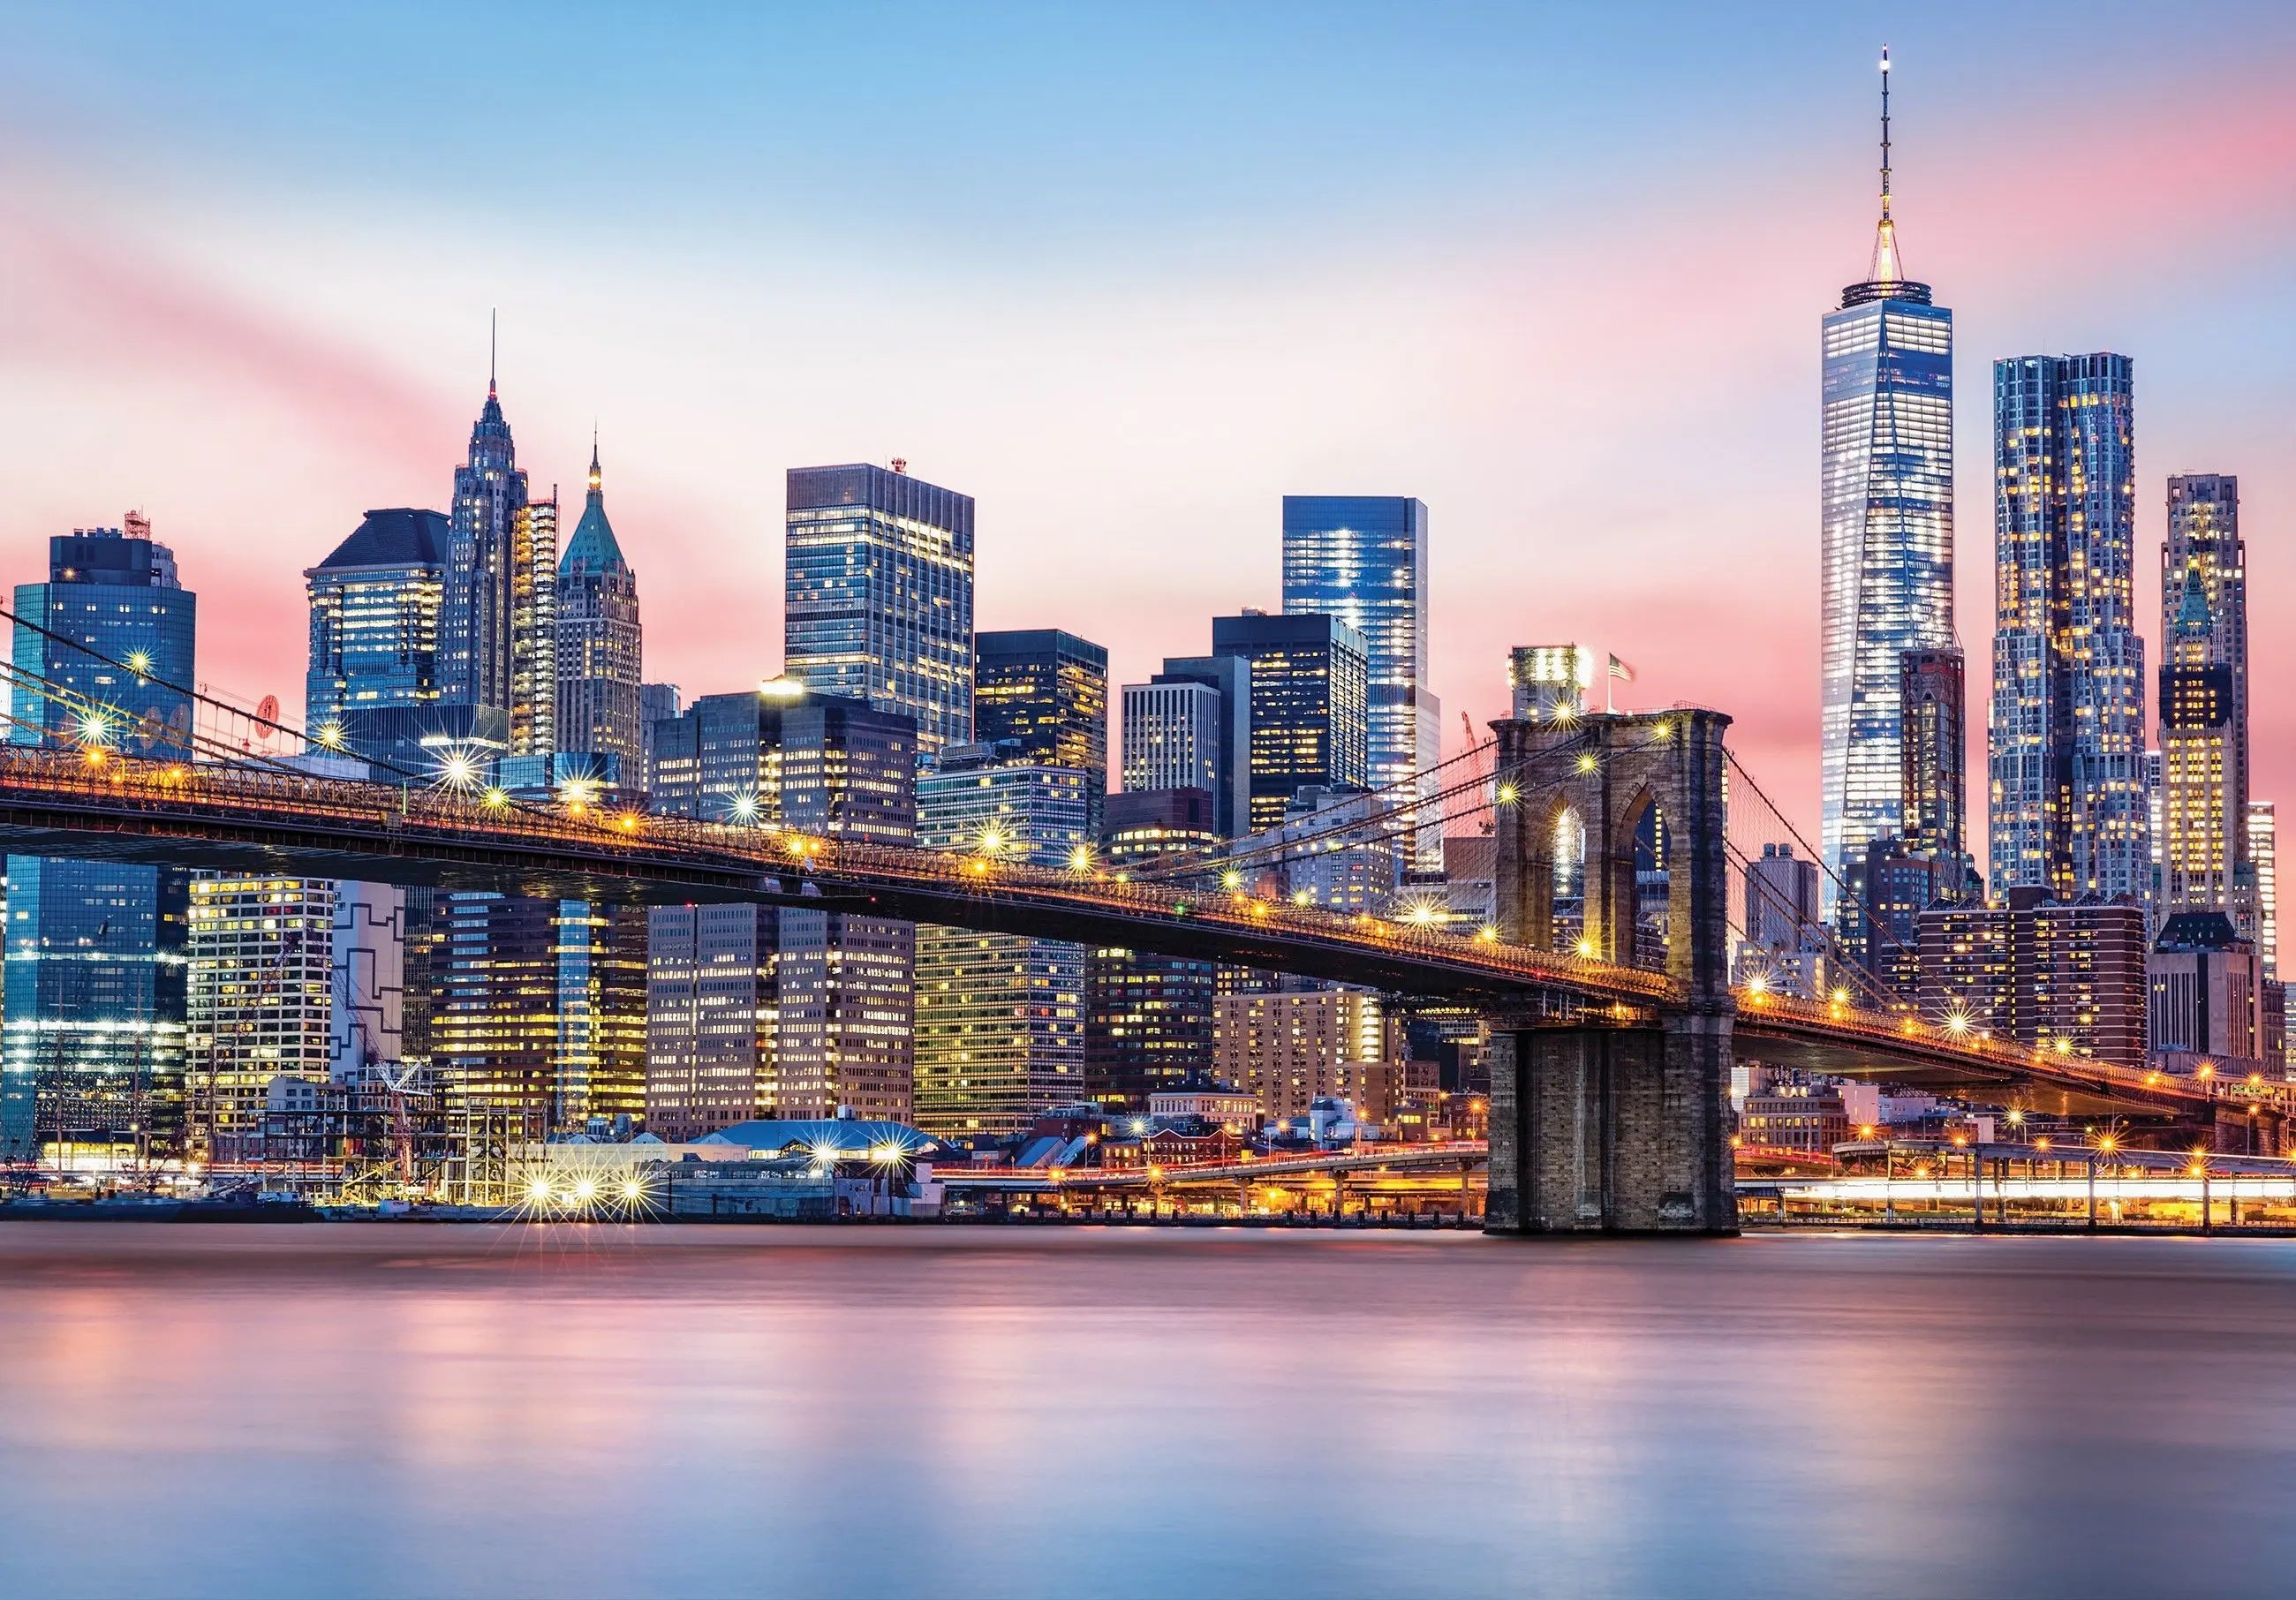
97,805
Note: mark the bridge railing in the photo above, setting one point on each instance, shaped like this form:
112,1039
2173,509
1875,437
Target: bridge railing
2062,1064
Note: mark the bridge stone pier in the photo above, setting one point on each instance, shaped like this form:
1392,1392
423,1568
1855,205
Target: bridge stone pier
1615,1121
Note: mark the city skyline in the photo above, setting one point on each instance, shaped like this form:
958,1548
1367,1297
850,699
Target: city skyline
1487,374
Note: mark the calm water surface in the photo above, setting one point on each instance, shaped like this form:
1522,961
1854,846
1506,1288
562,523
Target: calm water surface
568,1410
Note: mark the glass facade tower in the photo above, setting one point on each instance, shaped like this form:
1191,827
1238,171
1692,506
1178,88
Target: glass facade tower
2069,799
95,976
1886,489
372,685
877,600
1363,559
1309,689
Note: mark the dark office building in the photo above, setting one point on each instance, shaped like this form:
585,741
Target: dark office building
1310,705
1047,691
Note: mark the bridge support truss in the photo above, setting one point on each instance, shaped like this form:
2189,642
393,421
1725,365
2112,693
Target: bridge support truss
1616,1122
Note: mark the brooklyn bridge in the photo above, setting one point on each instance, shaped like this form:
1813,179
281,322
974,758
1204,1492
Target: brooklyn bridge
1610,1058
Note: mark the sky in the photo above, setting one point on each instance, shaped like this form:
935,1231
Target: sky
1129,276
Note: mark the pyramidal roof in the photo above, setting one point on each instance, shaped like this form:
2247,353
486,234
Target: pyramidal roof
397,537
593,547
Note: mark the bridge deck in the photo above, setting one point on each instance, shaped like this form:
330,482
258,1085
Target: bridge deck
100,806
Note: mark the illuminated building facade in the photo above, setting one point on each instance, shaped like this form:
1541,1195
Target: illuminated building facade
1148,1019
1933,748
1046,693
1000,1033
877,601
2264,858
1886,541
1548,682
2204,758
1190,727
600,650
489,577
261,1001
372,683
713,1011
814,764
2070,809
534,629
1363,559
541,1009
1309,706
92,1048
1289,1049
2063,976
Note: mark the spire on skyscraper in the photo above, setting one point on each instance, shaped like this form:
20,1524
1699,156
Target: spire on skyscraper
1887,266
594,545
492,314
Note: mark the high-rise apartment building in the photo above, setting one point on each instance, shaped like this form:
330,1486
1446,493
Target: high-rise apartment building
2203,844
372,686
92,1048
1046,693
1886,530
1000,1017
2059,976
599,656
843,984
877,600
713,1015
2069,803
1291,1049
489,570
260,952
1363,559
2264,858
1310,705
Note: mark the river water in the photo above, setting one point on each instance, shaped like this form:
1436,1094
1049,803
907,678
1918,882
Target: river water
561,1409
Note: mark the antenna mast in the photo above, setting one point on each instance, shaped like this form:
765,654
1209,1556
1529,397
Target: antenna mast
1885,133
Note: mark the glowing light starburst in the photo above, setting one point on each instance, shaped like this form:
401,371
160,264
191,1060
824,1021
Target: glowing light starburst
578,794
329,735
743,808
94,729
458,770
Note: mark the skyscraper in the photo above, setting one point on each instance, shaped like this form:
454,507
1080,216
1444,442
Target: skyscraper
2263,856
599,655
534,629
1000,1017
843,983
1148,1019
372,688
1190,727
2203,847
713,1015
489,554
95,1005
2069,803
1935,746
1045,691
1363,559
877,599
1887,539
1310,686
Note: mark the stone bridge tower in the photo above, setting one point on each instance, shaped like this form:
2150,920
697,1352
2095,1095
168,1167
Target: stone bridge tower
1604,1121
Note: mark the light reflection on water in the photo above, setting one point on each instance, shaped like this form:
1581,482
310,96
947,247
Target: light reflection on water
601,1410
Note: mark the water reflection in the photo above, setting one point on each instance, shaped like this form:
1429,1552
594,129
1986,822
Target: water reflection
605,1411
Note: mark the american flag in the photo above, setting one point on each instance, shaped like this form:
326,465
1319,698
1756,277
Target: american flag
1621,671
